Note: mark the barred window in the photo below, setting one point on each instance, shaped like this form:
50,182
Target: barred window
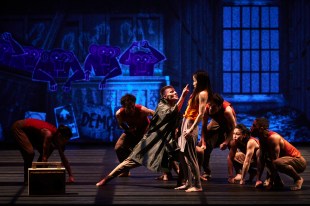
250,49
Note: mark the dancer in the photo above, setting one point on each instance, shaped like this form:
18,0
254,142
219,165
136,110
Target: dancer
189,131
37,134
159,137
134,120
278,155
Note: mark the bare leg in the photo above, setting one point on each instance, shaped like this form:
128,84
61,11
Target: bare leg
123,166
182,187
298,184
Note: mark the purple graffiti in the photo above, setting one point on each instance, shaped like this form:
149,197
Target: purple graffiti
102,60
58,63
9,48
141,58
31,57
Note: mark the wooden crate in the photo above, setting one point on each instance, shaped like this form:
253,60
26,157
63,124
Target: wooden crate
46,178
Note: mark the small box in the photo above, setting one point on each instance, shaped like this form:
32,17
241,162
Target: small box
46,178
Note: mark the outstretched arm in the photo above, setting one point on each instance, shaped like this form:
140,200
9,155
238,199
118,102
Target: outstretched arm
182,97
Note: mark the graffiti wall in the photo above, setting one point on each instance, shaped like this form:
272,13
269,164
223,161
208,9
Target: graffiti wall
94,109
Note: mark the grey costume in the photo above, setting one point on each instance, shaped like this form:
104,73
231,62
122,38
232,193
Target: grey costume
159,138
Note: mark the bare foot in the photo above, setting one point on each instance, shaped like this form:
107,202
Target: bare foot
259,184
238,177
103,181
298,184
267,182
182,187
194,189
203,178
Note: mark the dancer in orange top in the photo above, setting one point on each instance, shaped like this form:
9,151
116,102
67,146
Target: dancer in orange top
189,132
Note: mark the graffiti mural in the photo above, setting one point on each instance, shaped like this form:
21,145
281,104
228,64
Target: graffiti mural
102,60
58,63
141,58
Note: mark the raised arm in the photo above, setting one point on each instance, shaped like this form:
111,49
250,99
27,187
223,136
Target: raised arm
182,97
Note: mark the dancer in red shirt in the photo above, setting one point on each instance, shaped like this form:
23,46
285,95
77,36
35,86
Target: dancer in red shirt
278,155
32,134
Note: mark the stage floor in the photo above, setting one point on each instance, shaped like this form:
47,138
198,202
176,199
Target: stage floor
91,163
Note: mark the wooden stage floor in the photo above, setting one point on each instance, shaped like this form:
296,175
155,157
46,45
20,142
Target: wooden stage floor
91,163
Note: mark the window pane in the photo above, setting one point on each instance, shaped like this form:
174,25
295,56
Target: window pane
236,17
265,17
275,82
274,20
236,39
255,39
246,17
274,61
265,39
246,61
236,83
227,39
265,82
255,61
236,61
227,61
227,82
227,17
274,39
246,82
265,61
251,49
255,17
255,83
246,39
